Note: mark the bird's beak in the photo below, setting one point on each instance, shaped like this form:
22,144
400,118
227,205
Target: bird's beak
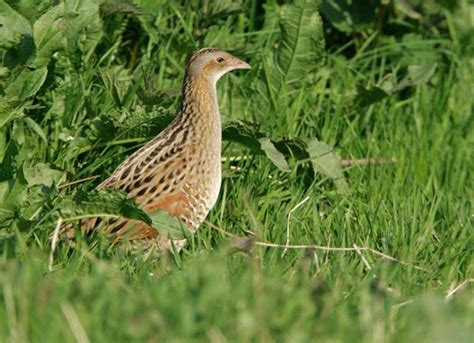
239,64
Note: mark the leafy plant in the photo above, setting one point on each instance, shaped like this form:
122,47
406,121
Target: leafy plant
300,50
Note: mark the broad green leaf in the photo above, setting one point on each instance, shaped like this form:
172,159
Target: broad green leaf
27,83
13,26
36,128
247,134
243,133
49,34
301,48
21,194
32,9
68,26
114,202
417,75
368,96
15,195
274,155
16,38
42,174
103,202
85,29
9,110
328,163
34,82
169,226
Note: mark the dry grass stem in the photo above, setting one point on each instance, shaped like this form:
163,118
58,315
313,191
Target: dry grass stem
367,161
75,182
327,248
74,323
396,307
453,290
366,263
54,242
302,202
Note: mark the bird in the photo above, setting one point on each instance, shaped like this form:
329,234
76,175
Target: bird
179,170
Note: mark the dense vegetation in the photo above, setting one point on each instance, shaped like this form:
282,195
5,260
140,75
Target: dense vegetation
349,143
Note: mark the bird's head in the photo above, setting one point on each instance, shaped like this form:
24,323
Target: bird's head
213,63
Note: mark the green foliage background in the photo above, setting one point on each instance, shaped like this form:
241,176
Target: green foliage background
83,83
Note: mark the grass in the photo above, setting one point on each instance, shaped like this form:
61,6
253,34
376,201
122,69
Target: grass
409,273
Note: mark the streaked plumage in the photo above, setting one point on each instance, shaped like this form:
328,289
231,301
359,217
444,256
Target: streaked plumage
178,171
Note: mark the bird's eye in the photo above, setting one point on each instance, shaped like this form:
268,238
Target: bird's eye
220,59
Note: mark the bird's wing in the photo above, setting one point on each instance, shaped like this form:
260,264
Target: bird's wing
154,177
157,169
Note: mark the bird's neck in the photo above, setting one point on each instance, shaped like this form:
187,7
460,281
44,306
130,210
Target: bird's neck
199,96
200,111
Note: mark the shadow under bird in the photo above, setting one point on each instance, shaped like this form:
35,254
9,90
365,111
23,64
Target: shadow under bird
179,171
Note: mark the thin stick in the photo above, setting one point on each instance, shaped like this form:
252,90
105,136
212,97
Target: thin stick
459,287
288,224
78,181
367,265
325,248
321,247
396,307
74,323
367,161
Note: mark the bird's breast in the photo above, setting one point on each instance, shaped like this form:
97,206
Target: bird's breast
204,166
